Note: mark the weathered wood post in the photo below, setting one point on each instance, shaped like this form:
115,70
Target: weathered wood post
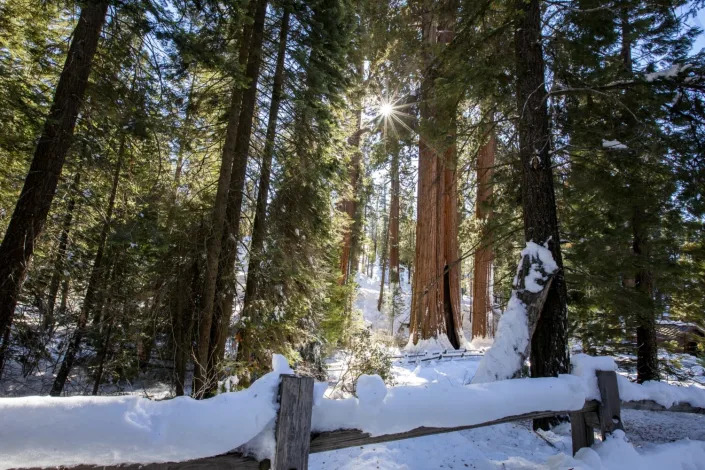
610,407
293,433
581,432
608,416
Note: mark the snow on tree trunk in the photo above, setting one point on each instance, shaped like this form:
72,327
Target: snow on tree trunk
518,323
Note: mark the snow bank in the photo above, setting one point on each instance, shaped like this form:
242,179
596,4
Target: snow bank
443,404
441,343
664,394
51,431
618,454
507,354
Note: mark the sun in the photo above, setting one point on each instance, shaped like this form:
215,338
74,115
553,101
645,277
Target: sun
386,109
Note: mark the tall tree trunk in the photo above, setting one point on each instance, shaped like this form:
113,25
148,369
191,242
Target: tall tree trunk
647,347
435,301
372,260
394,221
385,244
259,227
104,343
60,261
40,184
212,336
482,276
349,204
549,351
214,243
93,290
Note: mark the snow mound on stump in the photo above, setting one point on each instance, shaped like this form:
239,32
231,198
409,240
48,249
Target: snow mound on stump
52,431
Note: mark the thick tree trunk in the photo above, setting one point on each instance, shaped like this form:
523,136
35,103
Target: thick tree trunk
211,336
435,301
93,290
482,275
214,243
549,351
40,184
259,227
60,261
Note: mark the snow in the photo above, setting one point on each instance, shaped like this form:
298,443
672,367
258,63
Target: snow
585,367
542,254
670,72
51,431
370,390
613,144
617,453
506,356
440,343
663,393
447,404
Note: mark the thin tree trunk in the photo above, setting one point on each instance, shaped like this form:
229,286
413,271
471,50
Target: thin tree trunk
549,351
349,205
394,221
213,330
385,242
260,222
102,352
482,276
60,262
40,184
214,243
92,298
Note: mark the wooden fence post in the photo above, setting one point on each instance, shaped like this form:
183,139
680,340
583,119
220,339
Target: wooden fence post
293,433
610,407
581,432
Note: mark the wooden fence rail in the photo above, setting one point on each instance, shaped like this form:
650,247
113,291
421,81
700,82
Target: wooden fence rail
294,440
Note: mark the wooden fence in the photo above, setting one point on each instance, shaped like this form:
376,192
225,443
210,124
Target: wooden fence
294,440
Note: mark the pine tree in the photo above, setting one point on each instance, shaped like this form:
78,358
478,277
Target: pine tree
37,194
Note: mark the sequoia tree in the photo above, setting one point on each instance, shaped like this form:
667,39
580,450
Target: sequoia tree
435,302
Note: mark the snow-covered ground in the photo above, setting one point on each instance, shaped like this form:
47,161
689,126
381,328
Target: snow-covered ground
432,389
653,440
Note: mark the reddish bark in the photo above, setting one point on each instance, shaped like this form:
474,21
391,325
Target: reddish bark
435,302
484,255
